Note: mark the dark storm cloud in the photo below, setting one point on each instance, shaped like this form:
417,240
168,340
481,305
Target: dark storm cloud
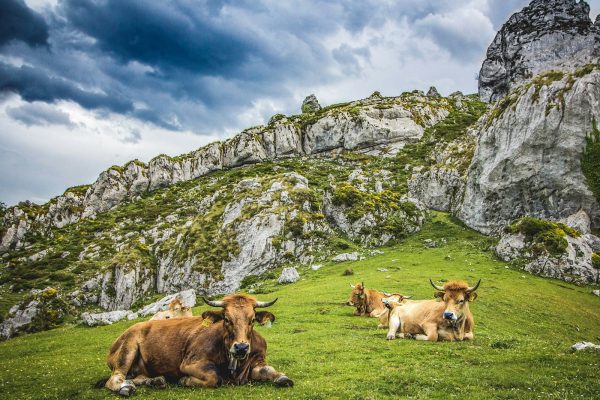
167,35
34,84
19,22
39,114
197,65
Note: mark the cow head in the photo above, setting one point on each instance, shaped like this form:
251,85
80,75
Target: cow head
238,315
456,295
357,296
175,306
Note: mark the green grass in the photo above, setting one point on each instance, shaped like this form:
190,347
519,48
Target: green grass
525,326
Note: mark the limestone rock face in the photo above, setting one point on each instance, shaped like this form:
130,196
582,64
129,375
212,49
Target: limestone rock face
121,287
369,128
310,104
21,317
580,221
437,188
528,156
545,35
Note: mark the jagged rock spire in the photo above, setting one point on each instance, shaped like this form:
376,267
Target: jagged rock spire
545,35
310,104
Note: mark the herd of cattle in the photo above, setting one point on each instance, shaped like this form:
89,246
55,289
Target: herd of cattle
221,346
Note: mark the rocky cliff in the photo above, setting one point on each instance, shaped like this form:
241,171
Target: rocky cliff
528,155
375,125
545,35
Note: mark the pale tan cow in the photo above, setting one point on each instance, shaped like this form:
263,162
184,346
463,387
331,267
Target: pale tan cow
176,310
447,318
368,302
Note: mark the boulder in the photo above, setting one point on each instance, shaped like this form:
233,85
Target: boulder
579,346
288,275
107,318
346,257
187,297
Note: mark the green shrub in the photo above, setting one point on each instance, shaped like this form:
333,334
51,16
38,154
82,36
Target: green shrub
543,234
53,310
596,260
590,161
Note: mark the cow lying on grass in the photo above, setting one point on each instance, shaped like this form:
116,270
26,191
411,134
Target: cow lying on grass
176,310
368,302
448,319
194,353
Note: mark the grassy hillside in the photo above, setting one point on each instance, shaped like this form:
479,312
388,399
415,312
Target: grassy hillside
126,236
525,326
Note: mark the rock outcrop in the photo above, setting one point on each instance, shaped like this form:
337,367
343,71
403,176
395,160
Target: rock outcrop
528,155
310,104
107,318
545,35
550,249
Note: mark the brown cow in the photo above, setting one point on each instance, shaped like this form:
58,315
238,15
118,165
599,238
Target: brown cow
197,354
368,302
176,310
449,319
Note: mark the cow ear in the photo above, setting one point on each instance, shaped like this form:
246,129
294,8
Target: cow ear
213,315
264,317
472,296
439,295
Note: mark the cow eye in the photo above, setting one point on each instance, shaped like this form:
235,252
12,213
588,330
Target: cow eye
461,301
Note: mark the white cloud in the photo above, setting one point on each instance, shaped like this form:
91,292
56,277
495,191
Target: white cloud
41,161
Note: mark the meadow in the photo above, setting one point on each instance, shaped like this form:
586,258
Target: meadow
525,326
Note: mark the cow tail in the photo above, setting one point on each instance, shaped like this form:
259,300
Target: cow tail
100,384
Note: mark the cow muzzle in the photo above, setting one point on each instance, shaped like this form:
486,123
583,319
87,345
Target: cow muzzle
240,350
450,316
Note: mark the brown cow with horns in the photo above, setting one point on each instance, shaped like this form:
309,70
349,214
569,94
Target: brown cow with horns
195,353
449,319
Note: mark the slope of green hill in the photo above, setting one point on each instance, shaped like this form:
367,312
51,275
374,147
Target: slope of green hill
525,326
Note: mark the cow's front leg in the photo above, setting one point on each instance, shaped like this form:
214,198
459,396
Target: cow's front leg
394,325
200,373
158,382
268,373
431,333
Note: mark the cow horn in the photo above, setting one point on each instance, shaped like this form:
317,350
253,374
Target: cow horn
213,303
352,286
474,288
263,304
407,297
440,288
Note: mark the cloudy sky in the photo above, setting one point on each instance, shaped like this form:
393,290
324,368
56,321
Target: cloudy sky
85,84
